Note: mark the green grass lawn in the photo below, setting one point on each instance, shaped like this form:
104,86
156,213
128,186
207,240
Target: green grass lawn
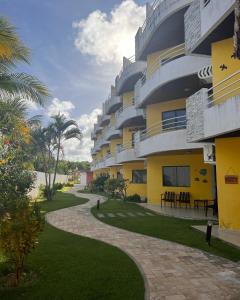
74,267
167,228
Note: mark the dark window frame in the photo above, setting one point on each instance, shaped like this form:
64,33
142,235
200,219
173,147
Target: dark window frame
173,124
134,181
176,179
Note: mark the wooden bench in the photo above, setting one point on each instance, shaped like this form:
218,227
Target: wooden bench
184,197
168,197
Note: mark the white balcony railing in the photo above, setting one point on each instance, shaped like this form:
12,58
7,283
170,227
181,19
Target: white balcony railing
157,12
215,111
171,124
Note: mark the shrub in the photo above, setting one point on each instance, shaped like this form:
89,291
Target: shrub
59,186
20,226
133,198
111,186
99,183
69,184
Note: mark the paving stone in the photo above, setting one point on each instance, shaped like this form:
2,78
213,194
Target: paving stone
121,215
172,271
131,214
150,214
111,215
101,215
140,214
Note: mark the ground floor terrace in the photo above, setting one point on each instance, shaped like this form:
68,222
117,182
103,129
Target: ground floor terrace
170,270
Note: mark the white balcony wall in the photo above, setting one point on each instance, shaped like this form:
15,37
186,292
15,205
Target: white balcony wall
156,14
201,19
127,155
128,114
176,69
163,142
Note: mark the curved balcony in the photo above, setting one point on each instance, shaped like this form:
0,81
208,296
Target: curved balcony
126,153
112,133
174,79
105,120
163,27
129,116
112,104
215,112
207,22
131,72
168,135
110,161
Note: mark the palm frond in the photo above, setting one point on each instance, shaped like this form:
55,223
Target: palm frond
24,86
73,133
11,47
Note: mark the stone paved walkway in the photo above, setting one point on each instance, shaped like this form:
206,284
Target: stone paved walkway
171,271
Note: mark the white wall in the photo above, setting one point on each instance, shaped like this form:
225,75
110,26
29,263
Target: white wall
40,179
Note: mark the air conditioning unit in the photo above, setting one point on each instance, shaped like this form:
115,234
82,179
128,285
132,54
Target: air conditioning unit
209,153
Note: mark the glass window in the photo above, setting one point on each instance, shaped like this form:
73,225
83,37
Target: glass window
174,119
139,176
176,176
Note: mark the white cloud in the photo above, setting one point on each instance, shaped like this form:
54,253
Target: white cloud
75,150
58,106
110,37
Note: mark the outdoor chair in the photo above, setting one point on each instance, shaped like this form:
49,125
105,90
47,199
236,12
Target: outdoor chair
213,206
168,197
184,197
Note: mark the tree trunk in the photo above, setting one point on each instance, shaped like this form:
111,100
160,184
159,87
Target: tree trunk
57,160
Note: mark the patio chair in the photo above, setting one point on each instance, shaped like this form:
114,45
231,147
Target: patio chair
184,197
213,206
168,197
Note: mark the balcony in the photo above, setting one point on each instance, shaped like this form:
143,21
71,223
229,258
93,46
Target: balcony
167,135
207,22
214,112
129,116
93,135
112,104
132,70
112,133
126,153
163,27
110,161
170,78
104,120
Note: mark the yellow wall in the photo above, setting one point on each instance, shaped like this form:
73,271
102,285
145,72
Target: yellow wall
113,171
221,54
127,99
154,113
153,63
140,189
113,120
228,163
113,145
127,137
198,189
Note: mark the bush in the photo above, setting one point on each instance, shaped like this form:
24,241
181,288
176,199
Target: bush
133,198
99,183
69,184
58,186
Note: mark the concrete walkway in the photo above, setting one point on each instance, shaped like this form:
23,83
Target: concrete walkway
171,271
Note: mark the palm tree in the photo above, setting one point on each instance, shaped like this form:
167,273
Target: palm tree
64,130
12,51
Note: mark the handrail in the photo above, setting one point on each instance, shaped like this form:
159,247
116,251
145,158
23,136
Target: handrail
131,60
164,58
171,124
229,87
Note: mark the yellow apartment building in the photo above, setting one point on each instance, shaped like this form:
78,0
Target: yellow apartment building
172,120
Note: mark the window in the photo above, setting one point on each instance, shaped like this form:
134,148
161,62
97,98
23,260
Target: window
139,176
176,176
119,175
133,139
174,119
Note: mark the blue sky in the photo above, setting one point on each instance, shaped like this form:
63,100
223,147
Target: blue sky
70,60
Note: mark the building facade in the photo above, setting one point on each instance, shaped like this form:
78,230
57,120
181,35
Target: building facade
172,120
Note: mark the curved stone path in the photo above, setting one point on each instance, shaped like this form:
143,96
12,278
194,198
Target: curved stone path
171,271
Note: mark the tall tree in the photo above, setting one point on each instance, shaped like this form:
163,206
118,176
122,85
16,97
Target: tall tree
64,130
